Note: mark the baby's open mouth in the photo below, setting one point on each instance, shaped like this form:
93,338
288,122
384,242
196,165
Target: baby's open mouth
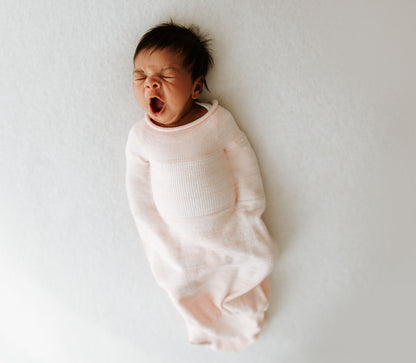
156,104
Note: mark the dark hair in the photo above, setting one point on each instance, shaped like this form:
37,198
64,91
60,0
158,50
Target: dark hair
188,41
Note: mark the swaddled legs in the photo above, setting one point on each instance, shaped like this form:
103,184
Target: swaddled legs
230,324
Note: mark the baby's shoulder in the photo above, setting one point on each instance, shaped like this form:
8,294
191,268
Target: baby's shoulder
223,114
227,127
137,129
226,123
135,136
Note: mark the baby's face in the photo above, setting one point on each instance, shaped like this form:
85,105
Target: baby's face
163,87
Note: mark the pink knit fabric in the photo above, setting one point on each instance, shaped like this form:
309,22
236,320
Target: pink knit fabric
196,195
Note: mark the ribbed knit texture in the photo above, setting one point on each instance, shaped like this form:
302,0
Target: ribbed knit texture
196,195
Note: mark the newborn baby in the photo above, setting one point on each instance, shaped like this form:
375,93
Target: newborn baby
196,194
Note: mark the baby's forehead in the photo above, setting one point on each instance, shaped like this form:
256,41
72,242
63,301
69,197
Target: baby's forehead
167,56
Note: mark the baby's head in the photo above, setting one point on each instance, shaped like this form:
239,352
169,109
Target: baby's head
170,66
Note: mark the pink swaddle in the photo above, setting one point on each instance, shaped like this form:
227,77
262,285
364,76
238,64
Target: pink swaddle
196,195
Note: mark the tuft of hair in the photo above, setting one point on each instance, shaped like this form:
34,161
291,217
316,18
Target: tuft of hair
188,41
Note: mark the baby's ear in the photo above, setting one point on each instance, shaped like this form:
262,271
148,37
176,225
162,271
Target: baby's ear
197,87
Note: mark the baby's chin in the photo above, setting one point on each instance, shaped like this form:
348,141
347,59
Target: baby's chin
161,121
157,122
168,118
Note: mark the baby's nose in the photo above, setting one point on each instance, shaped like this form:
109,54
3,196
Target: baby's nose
152,82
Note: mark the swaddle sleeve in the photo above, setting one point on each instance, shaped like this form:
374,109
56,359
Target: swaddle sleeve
245,169
153,231
138,183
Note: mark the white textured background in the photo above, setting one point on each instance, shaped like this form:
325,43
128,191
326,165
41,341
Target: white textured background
325,90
